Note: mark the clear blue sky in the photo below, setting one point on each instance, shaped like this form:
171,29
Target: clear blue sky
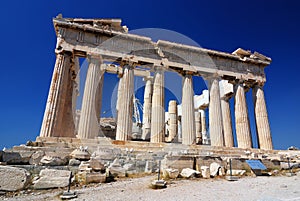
28,41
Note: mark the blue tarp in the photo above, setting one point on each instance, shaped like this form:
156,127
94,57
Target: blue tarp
256,165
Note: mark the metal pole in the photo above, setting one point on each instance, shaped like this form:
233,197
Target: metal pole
230,166
70,180
159,163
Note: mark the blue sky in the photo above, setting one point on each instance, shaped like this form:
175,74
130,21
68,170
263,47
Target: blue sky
28,41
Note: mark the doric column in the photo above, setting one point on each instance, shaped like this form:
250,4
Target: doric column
227,124
158,107
90,110
172,121
215,115
58,118
203,127
147,108
243,133
188,111
198,127
261,118
125,104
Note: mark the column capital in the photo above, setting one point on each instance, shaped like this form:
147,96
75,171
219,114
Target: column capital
158,68
94,58
259,84
146,78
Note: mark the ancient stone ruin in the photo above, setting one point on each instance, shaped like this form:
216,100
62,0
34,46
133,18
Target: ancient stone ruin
102,41
70,139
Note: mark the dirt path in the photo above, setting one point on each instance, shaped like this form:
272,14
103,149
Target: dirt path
248,188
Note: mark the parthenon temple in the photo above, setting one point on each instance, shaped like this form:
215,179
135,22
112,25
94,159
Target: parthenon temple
198,119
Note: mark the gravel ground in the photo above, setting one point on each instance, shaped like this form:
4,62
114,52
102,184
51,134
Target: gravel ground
248,188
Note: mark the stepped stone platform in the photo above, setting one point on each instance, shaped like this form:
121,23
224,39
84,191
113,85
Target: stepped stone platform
176,155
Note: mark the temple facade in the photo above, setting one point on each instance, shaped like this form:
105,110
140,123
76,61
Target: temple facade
103,41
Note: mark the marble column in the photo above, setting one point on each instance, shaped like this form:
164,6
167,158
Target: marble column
58,118
188,111
158,107
203,127
173,127
227,124
243,133
261,118
125,102
90,110
215,115
198,127
147,108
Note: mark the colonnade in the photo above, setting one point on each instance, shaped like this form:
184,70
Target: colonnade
193,122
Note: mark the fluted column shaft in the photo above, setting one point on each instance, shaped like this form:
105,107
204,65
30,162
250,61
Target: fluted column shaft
227,124
147,108
89,118
125,104
172,121
158,108
261,118
58,119
188,111
243,133
198,127
215,115
203,127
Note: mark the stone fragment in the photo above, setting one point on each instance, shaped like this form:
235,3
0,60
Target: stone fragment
74,162
205,172
16,158
12,178
222,171
116,169
96,165
170,173
80,154
36,157
188,173
236,172
285,165
52,178
92,177
149,167
129,166
53,161
214,169
84,165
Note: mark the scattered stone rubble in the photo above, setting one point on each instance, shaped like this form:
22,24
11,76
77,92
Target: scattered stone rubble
46,167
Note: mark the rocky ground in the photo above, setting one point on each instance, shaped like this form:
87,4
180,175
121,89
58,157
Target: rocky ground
261,188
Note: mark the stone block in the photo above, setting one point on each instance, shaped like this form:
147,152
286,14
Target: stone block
80,154
96,165
129,166
53,161
93,177
170,173
205,172
17,158
189,173
74,162
236,172
117,171
52,178
12,178
214,169
36,157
